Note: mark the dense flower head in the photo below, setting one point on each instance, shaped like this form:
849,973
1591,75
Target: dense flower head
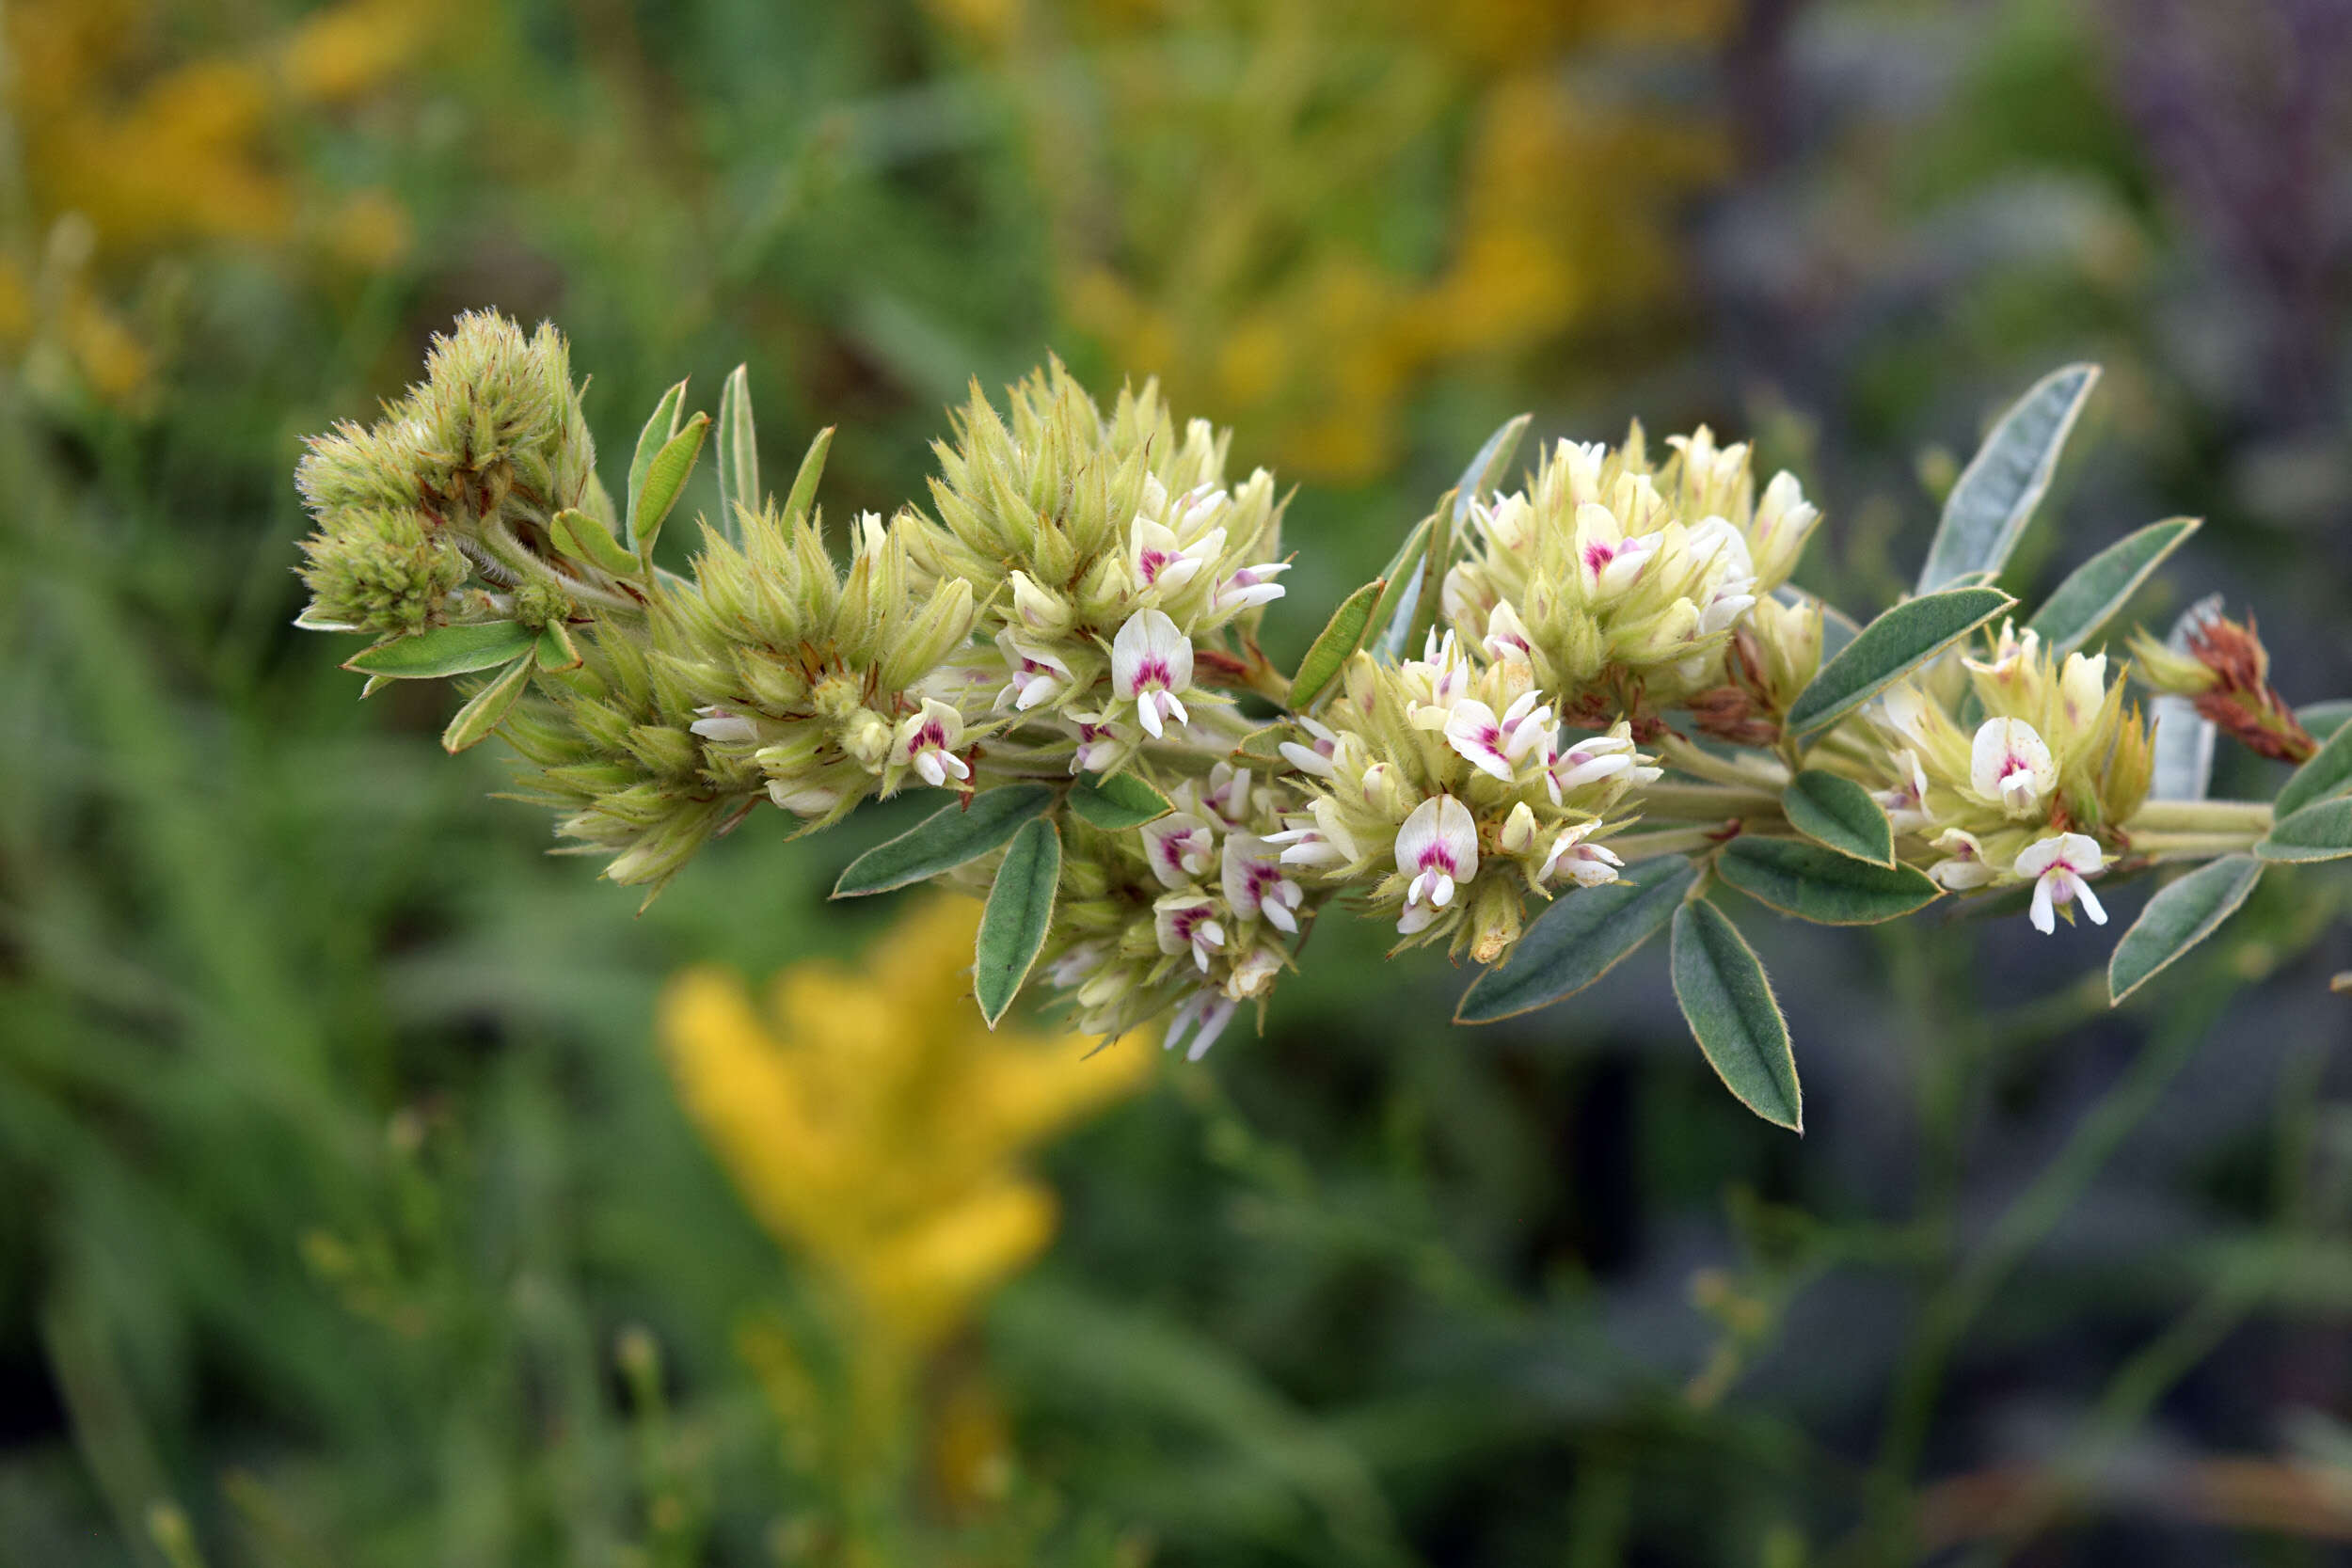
1618,584
1446,787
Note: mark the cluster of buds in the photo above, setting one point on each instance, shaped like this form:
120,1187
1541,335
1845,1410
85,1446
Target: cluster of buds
1447,789
1622,586
1054,650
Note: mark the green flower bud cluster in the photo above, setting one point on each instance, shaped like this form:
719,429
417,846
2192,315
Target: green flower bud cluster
1622,584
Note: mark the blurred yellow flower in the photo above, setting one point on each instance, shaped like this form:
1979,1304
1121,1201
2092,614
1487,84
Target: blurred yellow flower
1227,189
875,1125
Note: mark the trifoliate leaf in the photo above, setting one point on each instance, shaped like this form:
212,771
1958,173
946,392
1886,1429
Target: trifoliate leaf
656,435
2095,590
2318,832
1833,810
1117,805
446,651
1583,935
1822,885
1728,1002
580,536
2328,773
1890,648
2181,915
1020,910
947,838
1995,495
1340,637
488,707
665,480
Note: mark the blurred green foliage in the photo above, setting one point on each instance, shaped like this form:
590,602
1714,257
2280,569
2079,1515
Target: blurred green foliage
351,1217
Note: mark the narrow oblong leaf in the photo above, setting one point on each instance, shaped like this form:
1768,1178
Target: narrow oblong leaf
739,451
2095,590
1584,934
2182,914
1995,495
1890,648
2318,832
1482,473
1822,885
580,536
445,651
2323,719
657,434
1340,637
557,652
946,839
2328,773
1833,810
1728,1002
1393,612
1116,804
672,466
1020,910
488,707
803,493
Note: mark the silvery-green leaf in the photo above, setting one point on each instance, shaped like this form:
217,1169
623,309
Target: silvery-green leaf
2104,584
1581,936
1833,810
1119,803
1483,473
947,838
446,651
1018,913
1995,495
2182,914
580,536
1822,885
665,480
1891,647
738,452
2328,773
2318,832
557,652
657,434
488,707
1728,1002
2184,738
804,494
1393,612
2323,719
1340,637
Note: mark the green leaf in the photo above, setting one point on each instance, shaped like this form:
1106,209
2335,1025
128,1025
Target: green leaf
1728,1002
1116,804
1995,495
1020,910
489,706
671,468
556,650
1581,936
804,482
2319,832
446,651
583,538
2095,590
1822,885
1392,614
1483,473
739,452
1833,810
1890,648
1340,637
2328,773
2182,914
946,839
2322,718
657,434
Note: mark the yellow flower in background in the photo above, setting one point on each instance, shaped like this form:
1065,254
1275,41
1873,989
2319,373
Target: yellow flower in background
875,1125
1227,188
131,152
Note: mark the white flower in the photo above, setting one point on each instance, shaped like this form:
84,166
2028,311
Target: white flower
1037,676
1248,586
1227,793
1319,839
1965,868
718,724
1906,803
1200,506
1100,747
803,799
1204,1011
1447,670
1506,636
927,740
1437,848
1615,564
2010,763
1494,745
1518,831
1254,884
1586,864
1077,965
1181,848
1253,976
1161,560
1508,521
2058,866
1045,614
2083,686
1187,923
1152,662
1596,757
1317,758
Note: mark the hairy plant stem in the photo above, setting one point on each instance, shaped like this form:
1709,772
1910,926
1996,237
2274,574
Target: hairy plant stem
2248,817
